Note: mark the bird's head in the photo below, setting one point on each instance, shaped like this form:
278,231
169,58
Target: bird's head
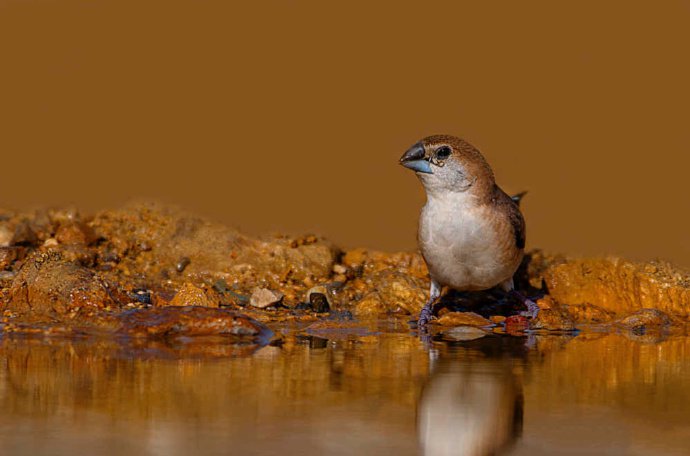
448,164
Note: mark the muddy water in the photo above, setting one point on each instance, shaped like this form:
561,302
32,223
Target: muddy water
380,391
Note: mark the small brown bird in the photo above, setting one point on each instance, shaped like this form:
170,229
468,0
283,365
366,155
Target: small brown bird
471,233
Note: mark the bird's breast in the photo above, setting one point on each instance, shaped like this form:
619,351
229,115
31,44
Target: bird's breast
466,246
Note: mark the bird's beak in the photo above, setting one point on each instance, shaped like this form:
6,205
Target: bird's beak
415,160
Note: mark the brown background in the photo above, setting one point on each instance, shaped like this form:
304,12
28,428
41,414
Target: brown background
290,116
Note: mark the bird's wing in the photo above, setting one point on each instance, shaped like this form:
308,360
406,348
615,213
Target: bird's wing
511,206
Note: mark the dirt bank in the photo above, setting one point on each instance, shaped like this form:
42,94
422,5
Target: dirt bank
150,271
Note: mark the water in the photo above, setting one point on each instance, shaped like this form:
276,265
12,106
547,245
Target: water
376,392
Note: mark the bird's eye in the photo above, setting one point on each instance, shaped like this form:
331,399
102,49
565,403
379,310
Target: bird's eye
443,152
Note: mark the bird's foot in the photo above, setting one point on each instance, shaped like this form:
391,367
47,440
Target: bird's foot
424,317
532,307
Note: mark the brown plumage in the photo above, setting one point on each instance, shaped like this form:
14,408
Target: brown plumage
471,233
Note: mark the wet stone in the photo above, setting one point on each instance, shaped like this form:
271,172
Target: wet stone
645,319
181,265
189,321
552,316
263,297
589,313
49,288
142,296
371,305
318,299
463,319
191,295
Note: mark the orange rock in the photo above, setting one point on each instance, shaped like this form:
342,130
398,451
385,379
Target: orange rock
191,295
463,318
370,305
498,319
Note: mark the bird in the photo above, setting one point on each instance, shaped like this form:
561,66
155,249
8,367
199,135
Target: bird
471,233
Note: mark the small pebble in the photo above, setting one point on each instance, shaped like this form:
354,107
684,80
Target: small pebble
50,242
182,264
263,297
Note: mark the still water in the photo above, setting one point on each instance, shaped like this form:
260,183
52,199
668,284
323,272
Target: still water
377,390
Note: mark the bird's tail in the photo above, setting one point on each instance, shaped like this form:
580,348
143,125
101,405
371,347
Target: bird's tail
517,198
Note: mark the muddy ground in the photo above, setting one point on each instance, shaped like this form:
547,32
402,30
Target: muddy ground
150,271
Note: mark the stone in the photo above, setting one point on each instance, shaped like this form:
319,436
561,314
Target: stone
370,305
613,284
263,297
589,313
319,300
189,321
552,316
7,256
49,288
6,235
645,319
400,291
75,233
191,295
463,319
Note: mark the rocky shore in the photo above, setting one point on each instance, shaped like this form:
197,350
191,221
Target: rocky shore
154,272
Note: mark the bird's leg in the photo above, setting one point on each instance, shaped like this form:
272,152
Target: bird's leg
428,309
532,307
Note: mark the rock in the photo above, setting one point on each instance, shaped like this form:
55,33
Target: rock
48,288
613,284
463,333
215,251
645,319
191,295
589,313
552,316
23,234
181,265
370,305
263,297
189,321
339,269
399,291
7,256
75,233
353,258
50,242
463,319
516,324
6,235
319,299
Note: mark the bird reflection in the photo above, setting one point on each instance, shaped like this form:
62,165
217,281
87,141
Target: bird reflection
472,403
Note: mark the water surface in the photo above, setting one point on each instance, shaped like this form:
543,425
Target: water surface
377,392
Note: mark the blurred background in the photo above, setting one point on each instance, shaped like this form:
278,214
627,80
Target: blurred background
290,116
